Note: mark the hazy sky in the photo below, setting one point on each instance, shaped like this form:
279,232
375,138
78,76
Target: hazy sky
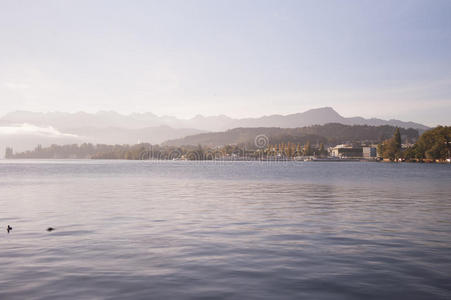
389,59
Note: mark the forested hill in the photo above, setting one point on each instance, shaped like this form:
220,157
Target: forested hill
331,134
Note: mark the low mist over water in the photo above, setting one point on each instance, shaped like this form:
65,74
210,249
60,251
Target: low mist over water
237,230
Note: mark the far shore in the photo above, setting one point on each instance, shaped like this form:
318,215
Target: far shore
247,159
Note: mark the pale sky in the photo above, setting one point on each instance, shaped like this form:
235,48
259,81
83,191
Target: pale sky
388,59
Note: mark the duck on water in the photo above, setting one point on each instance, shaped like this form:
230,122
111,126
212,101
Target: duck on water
9,228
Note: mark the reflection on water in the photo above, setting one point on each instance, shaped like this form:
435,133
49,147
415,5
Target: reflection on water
238,230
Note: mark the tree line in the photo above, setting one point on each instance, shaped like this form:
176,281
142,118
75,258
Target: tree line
434,144
147,151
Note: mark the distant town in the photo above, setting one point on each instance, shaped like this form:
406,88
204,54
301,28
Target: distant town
433,145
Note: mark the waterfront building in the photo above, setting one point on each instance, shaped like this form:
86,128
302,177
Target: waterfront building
346,151
369,152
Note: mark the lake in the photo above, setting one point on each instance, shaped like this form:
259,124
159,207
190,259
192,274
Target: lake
224,230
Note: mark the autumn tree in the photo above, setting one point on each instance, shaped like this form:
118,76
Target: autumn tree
307,148
391,148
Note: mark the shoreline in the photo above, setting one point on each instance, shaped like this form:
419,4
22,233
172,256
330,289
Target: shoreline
425,161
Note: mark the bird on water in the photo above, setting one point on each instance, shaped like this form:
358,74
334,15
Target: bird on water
50,229
9,228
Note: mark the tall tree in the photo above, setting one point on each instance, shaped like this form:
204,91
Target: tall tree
322,151
307,148
392,148
397,139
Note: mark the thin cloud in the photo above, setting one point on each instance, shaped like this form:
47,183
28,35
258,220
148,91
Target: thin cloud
29,129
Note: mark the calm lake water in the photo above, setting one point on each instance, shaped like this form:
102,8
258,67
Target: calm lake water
224,230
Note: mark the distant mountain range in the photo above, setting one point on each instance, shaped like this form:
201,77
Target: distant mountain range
105,119
23,130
